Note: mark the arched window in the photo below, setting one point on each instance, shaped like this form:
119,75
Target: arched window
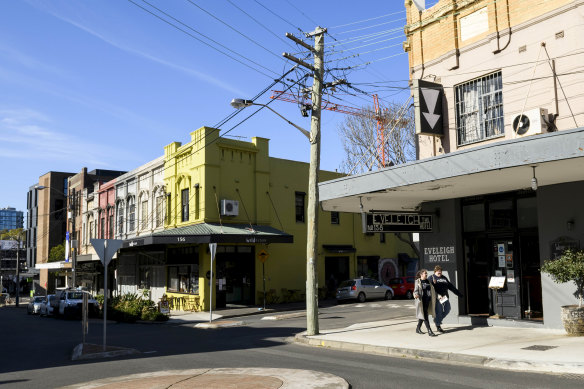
131,214
120,217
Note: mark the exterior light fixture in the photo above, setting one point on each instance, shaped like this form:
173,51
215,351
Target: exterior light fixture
534,180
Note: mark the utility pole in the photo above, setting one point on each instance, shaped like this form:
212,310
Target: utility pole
73,210
312,220
16,300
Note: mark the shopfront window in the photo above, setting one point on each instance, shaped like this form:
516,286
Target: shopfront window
183,278
501,214
527,212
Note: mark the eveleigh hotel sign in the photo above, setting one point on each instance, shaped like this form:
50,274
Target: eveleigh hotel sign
398,222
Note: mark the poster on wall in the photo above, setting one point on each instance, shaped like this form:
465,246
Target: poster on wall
501,261
558,246
509,260
510,276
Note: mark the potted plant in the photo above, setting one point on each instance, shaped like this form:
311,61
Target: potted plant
569,267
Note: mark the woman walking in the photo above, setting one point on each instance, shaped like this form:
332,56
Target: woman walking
425,297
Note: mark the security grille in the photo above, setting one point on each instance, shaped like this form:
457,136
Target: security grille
479,109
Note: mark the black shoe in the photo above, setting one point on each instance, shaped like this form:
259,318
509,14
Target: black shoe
439,329
419,331
431,333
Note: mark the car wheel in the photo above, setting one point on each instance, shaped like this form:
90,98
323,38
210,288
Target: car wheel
388,295
361,297
409,295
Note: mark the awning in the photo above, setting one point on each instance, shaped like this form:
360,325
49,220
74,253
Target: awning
496,167
213,233
53,265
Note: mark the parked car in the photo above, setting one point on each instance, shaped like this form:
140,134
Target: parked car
46,308
403,286
34,306
361,289
68,303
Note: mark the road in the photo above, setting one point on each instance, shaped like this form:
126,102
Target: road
36,352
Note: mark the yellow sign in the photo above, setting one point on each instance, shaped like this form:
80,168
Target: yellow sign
263,256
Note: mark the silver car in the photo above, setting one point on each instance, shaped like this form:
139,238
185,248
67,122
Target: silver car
34,306
361,289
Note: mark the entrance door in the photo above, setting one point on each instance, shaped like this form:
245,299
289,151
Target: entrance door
336,270
235,276
506,263
478,268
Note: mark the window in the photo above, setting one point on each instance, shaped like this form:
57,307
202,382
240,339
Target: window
102,232
197,194
66,186
159,210
120,219
299,203
479,109
334,217
131,214
183,278
111,225
144,215
185,205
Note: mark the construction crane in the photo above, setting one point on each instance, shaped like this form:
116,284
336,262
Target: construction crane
305,106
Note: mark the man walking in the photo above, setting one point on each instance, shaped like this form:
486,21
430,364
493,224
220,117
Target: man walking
441,286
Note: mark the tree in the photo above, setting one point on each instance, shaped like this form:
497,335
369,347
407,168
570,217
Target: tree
57,253
568,267
17,235
359,137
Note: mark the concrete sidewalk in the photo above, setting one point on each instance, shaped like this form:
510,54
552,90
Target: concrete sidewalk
509,348
248,378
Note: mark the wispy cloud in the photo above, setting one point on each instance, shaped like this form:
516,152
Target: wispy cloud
124,47
28,134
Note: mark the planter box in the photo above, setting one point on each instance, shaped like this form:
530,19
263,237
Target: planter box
573,319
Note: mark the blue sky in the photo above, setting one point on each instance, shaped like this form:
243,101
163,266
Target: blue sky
104,84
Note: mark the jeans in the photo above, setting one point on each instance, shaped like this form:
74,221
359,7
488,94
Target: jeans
441,311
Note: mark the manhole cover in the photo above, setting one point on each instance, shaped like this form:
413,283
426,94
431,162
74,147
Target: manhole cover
539,347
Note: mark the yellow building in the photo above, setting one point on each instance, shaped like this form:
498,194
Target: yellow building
253,206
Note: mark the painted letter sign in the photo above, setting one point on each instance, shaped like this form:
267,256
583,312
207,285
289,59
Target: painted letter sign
398,222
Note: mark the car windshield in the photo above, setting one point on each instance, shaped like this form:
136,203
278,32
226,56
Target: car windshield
344,284
39,299
75,295
395,281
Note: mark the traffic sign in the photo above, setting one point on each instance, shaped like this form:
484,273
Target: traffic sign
263,256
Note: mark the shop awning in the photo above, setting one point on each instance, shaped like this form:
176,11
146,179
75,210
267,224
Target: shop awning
53,265
213,233
496,167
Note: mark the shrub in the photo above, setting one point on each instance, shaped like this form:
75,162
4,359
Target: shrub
568,267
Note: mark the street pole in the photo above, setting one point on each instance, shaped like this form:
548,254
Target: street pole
312,211
73,207
16,300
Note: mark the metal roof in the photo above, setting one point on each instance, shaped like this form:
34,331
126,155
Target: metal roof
492,168
213,233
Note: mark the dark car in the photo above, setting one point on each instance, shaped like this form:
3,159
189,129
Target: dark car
361,289
403,286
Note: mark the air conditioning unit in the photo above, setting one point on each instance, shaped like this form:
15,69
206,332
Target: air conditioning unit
532,122
229,207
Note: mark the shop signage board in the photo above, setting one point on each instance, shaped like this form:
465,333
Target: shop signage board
398,222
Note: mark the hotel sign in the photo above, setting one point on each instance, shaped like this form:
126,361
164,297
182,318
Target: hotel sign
398,222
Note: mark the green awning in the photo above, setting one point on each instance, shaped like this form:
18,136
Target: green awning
213,233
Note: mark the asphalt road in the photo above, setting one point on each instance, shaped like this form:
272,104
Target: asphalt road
36,352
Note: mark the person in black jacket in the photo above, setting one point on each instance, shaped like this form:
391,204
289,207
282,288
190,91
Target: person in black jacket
441,286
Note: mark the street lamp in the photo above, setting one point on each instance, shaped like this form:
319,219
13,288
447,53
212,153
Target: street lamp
241,103
312,224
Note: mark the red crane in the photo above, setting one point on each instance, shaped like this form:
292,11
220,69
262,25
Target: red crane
305,105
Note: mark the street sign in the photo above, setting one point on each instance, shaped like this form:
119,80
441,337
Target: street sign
106,248
263,256
428,107
398,222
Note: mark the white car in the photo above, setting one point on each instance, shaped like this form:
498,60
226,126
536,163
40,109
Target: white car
68,303
46,308
34,306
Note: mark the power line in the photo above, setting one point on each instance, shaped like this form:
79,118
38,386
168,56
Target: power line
367,20
200,40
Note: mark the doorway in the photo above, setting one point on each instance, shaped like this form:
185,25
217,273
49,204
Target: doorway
336,270
235,275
